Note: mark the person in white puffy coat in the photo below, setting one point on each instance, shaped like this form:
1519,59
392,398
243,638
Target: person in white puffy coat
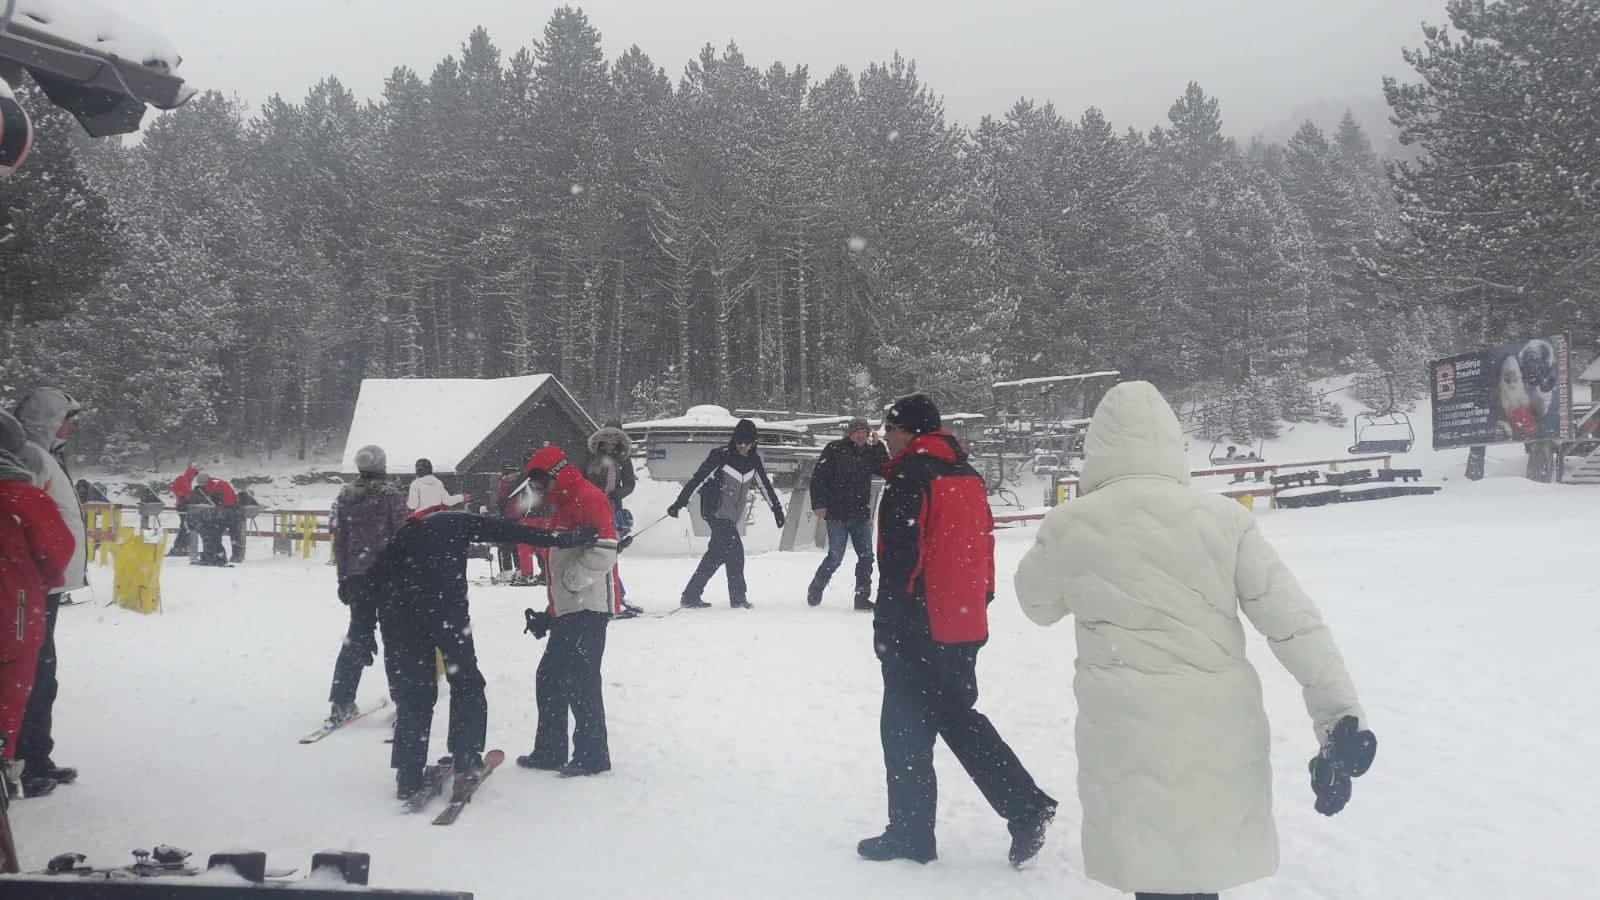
428,492
1172,736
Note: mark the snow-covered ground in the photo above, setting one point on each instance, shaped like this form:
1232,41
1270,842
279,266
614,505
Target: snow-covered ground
747,762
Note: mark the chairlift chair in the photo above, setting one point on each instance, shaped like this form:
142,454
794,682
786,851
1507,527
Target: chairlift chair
1256,455
1380,432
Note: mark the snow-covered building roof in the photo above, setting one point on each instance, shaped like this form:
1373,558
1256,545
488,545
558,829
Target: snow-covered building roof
707,417
465,425
93,26
1055,379
96,62
1592,373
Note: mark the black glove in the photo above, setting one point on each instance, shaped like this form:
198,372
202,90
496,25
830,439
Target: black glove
538,624
581,537
1347,754
625,543
778,515
988,599
673,510
347,589
956,666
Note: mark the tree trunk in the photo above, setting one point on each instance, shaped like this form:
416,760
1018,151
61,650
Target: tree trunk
802,348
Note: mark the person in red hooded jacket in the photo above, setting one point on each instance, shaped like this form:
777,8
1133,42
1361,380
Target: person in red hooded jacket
582,589
35,548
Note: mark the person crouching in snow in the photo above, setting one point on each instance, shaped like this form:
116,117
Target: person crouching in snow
36,547
420,580
723,481
1172,739
611,470
581,603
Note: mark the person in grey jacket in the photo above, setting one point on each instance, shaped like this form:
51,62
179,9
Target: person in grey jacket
49,417
724,481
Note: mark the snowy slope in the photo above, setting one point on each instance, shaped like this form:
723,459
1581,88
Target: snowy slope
746,742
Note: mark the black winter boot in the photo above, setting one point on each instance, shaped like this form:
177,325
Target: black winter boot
814,592
887,846
740,603
408,782
48,769
864,599
694,603
530,761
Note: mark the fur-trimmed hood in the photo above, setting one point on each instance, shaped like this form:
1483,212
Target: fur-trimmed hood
615,436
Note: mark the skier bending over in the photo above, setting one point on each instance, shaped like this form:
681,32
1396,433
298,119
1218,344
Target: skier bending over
420,580
1174,762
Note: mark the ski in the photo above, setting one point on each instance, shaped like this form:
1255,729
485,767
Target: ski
462,793
326,730
433,782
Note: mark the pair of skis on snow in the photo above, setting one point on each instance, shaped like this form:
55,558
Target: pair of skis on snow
434,777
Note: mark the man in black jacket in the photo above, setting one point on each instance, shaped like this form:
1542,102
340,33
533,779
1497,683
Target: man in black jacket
420,580
724,482
936,579
841,495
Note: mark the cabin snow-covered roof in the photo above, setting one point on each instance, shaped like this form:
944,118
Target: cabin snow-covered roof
1054,379
93,26
709,417
442,419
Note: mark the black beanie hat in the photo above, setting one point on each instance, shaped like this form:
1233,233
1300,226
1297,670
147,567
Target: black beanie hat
744,432
915,413
424,467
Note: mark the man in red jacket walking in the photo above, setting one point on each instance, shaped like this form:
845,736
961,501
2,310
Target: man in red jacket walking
936,580
35,548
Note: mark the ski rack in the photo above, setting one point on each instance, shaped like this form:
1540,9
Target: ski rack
160,874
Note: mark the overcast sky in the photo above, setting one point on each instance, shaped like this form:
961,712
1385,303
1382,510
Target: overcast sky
1265,59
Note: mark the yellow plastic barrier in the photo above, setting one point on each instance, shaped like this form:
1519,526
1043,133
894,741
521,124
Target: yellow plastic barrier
136,575
104,523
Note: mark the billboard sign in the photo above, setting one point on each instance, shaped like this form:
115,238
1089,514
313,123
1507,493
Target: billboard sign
1516,393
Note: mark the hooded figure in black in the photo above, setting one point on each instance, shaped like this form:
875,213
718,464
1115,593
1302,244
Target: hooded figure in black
725,481
420,580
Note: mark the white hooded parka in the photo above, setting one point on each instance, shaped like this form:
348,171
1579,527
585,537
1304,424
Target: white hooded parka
1172,734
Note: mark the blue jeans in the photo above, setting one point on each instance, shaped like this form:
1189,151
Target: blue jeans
857,532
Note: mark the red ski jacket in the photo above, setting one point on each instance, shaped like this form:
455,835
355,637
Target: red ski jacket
35,549
935,543
220,492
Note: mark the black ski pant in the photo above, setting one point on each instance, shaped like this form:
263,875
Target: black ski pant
360,645
929,691
1144,896
412,627
569,679
34,741
236,528
858,534
726,549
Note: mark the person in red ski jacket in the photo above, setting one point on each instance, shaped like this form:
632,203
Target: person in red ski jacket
936,580
582,590
36,547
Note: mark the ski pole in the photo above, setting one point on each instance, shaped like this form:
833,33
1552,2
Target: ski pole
648,527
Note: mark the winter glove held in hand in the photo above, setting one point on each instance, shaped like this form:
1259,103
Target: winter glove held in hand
673,510
625,543
1347,754
538,624
777,514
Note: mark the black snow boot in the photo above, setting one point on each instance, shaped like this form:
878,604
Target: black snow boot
694,603
533,762
48,769
864,599
408,782
887,846
573,770
1027,834
814,593
740,603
